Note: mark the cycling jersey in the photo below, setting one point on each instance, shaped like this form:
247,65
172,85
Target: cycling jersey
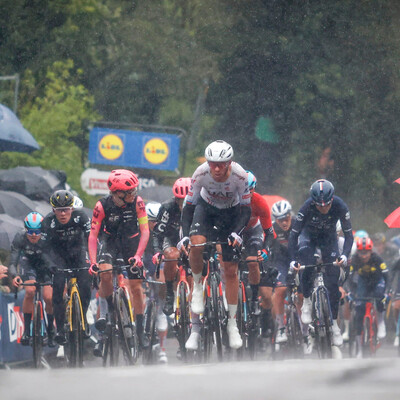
372,270
166,231
279,248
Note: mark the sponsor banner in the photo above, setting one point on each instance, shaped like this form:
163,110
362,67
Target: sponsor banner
134,148
94,182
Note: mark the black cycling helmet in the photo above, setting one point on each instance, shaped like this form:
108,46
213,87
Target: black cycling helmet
62,198
322,192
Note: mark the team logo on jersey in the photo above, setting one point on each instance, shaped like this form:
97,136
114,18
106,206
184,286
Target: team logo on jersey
156,151
53,224
111,147
76,219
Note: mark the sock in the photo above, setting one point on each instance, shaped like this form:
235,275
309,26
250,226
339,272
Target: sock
50,322
27,322
197,278
232,308
103,306
279,320
196,324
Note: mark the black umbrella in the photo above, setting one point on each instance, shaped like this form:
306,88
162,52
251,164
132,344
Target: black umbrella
9,227
15,204
13,136
34,182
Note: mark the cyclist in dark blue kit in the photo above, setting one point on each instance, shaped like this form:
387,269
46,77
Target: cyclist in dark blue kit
315,227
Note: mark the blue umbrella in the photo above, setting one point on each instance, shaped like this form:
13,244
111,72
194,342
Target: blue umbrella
13,136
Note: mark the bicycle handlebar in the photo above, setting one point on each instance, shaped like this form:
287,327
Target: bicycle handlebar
211,243
318,265
37,284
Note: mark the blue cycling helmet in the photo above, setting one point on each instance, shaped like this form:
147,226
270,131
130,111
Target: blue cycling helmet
322,192
33,220
361,234
252,180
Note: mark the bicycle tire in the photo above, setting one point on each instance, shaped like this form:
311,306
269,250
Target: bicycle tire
327,342
37,335
150,317
76,334
183,319
126,328
241,322
207,333
352,335
114,341
216,316
366,336
253,332
295,335
322,324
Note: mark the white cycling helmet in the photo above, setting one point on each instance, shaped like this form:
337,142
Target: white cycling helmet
218,151
281,209
152,210
78,203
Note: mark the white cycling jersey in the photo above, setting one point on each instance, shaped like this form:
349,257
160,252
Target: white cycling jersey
233,191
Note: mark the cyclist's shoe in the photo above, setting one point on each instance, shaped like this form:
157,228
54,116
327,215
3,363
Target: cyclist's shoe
345,336
193,342
306,311
50,339
235,341
168,308
98,349
197,304
307,345
161,322
144,342
101,324
396,341
255,307
336,353
381,329
337,339
25,339
162,357
281,336
60,338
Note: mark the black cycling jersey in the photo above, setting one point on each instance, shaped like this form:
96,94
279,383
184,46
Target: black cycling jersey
279,245
167,226
372,270
319,225
22,247
68,239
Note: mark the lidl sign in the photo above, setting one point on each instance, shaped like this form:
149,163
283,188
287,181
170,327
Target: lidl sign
134,148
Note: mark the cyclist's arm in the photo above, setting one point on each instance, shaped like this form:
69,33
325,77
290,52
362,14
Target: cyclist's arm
298,225
266,221
98,216
243,219
143,226
159,230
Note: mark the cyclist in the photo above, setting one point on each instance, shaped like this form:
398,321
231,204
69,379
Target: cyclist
121,218
369,277
219,196
152,210
166,236
315,227
27,252
64,233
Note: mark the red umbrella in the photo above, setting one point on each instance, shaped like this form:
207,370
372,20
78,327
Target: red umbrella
397,180
393,220
272,199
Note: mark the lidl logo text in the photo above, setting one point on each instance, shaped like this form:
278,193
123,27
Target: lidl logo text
156,151
111,147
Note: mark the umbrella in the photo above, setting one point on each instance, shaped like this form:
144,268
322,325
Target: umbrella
272,199
34,182
13,136
9,227
397,180
393,219
15,204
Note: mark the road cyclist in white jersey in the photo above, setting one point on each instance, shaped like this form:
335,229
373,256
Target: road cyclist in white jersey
219,197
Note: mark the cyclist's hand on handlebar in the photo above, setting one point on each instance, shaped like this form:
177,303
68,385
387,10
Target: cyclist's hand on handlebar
136,261
263,255
183,244
157,258
234,240
294,267
17,281
94,268
342,261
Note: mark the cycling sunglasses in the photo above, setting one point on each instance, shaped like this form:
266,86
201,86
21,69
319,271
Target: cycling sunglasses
33,232
59,210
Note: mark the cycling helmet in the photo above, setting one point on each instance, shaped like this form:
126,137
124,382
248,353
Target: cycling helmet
379,237
364,243
181,187
33,220
322,192
361,234
252,180
62,198
152,210
218,151
281,209
122,179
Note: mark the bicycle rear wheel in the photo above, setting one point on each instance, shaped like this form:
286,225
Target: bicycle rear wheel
126,328
37,335
216,316
241,320
150,317
76,334
207,333
182,319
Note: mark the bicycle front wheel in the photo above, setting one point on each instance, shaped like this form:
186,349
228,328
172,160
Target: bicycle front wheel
182,319
76,333
323,325
216,315
126,328
37,334
295,336
241,320
150,317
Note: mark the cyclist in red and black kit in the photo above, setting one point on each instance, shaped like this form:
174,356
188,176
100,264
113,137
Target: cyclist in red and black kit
166,236
64,233
121,218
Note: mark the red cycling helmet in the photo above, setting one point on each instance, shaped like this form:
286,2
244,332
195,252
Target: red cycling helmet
181,187
364,243
122,179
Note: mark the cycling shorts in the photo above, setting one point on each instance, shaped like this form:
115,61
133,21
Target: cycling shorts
33,271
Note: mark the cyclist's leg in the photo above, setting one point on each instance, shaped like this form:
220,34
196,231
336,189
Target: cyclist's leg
361,292
27,309
170,272
282,265
379,293
84,282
